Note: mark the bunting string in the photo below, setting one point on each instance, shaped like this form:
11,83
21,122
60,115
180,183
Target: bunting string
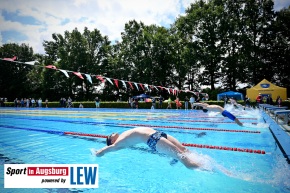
103,78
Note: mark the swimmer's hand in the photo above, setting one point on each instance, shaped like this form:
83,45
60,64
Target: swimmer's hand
97,153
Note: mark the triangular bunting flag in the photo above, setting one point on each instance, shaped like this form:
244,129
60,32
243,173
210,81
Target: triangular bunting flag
79,75
65,72
136,85
10,59
141,86
124,84
109,80
30,63
51,67
89,78
100,78
131,85
146,86
116,82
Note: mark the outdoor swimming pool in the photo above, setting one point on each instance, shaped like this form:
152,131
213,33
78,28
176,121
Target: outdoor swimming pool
250,154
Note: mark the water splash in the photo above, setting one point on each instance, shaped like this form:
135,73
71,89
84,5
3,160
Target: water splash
257,126
213,114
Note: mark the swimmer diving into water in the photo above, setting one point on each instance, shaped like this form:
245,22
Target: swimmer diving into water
157,141
216,108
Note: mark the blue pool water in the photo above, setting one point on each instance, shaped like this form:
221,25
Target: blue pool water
33,136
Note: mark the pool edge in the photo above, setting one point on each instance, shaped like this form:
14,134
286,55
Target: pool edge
280,136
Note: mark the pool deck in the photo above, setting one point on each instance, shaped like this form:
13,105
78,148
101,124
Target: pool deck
281,135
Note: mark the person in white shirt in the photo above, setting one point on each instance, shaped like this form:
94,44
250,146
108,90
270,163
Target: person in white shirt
192,100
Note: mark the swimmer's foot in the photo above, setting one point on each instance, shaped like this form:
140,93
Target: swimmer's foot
173,162
93,151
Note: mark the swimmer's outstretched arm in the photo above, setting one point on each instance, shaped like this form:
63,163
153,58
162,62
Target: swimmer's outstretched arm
107,149
200,104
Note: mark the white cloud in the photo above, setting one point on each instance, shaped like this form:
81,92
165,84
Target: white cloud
108,16
279,4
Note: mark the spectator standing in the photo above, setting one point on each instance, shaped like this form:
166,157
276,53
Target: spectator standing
192,100
97,100
46,103
15,102
247,101
178,103
206,97
40,102
278,101
259,99
129,102
32,102
186,100
28,101
22,102
169,103
136,103
160,102
69,102
153,100
269,100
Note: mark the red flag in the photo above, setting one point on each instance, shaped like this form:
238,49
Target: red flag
100,78
116,82
131,85
51,67
141,86
79,75
10,59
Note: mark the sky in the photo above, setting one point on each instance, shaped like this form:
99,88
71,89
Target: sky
33,21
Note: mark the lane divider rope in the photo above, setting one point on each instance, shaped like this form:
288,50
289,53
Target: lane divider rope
191,128
225,148
105,136
145,125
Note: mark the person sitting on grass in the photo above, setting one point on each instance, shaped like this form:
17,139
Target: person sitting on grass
156,140
216,108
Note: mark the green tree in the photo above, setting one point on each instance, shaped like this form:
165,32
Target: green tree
257,17
145,54
203,25
280,50
14,80
77,52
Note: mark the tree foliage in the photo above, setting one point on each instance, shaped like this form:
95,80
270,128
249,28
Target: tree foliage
216,41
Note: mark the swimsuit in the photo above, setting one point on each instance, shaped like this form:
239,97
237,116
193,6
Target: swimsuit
226,113
154,138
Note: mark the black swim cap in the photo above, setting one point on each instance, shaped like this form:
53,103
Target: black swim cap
204,110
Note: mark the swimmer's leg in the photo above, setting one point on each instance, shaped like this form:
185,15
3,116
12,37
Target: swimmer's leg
168,148
176,143
238,122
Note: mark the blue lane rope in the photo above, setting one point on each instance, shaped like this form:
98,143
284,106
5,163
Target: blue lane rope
145,125
31,129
